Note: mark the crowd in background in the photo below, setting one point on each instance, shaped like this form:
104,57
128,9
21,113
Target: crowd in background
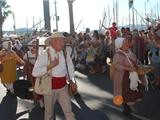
93,48
90,49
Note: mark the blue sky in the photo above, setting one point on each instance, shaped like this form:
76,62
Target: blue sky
89,11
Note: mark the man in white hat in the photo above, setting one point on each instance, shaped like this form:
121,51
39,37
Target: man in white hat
58,68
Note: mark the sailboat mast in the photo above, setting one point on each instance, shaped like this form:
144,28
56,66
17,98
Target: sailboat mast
27,24
40,24
117,12
33,23
136,19
113,11
14,22
123,21
133,21
158,11
55,3
109,16
129,18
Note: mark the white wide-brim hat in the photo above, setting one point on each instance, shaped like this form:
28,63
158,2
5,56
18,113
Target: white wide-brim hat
54,35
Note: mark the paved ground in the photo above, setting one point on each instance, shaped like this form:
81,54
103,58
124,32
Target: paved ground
95,103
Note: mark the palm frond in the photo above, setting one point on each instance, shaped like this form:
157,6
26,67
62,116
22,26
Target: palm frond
3,3
5,12
7,6
9,12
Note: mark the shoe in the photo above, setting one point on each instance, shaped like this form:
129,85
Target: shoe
129,108
127,113
157,84
78,96
126,109
8,91
92,72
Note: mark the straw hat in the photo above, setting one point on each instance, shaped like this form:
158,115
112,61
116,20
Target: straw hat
54,35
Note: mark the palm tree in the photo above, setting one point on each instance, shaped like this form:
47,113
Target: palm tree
4,13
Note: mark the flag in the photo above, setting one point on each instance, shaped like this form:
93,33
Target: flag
130,3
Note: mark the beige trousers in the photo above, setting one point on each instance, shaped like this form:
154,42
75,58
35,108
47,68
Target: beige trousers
63,97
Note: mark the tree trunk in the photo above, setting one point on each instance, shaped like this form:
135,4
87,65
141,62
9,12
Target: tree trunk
1,31
1,23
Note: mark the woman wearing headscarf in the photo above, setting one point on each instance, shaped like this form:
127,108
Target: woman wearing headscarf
9,61
123,85
17,47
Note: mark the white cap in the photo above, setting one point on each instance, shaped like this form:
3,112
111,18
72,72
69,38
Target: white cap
119,42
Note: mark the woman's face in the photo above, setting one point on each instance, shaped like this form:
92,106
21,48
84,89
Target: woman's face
125,45
33,50
58,44
9,45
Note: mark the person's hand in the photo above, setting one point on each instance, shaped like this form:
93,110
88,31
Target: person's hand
132,69
72,88
54,62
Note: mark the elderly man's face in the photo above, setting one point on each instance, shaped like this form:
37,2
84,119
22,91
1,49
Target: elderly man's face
58,44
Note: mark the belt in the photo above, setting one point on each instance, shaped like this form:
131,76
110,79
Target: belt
58,82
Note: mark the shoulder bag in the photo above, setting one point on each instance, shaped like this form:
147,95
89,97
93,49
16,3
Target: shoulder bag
43,84
72,87
133,76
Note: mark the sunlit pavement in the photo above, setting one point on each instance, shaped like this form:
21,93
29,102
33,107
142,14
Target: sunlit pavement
95,103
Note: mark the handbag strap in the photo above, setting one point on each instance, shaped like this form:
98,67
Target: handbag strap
127,58
65,58
49,58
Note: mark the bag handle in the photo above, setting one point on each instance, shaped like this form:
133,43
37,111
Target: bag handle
49,56
127,58
49,59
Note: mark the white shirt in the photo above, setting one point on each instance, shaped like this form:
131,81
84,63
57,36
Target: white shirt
18,45
31,57
60,70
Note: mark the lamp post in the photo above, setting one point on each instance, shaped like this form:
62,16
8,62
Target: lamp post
57,17
70,6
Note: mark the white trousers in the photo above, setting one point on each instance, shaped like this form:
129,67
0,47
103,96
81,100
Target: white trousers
63,97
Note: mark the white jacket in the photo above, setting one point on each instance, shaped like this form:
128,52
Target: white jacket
60,70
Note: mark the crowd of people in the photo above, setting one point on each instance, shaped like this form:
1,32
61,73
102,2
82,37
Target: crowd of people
86,51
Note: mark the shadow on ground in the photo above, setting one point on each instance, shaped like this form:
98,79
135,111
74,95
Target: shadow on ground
83,112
